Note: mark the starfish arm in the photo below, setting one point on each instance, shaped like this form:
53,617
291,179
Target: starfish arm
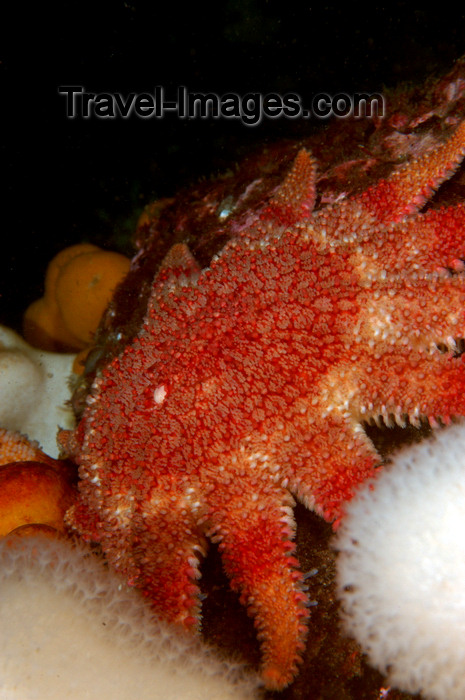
428,243
84,519
177,270
295,198
407,189
157,550
252,521
436,241
329,463
404,383
170,545
417,313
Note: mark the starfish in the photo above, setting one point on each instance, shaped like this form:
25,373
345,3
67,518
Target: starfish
249,384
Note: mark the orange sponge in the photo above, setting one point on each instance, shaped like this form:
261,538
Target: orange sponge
34,488
33,493
79,284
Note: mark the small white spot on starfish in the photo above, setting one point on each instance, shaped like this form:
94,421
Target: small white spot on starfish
159,394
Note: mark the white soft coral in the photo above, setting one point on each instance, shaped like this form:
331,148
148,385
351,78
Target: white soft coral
71,629
401,567
34,390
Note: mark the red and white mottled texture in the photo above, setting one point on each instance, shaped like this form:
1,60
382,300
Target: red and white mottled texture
249,382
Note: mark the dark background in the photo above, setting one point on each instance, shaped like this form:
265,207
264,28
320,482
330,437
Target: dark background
67,181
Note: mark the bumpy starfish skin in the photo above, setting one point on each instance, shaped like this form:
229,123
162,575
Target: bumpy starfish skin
249,382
